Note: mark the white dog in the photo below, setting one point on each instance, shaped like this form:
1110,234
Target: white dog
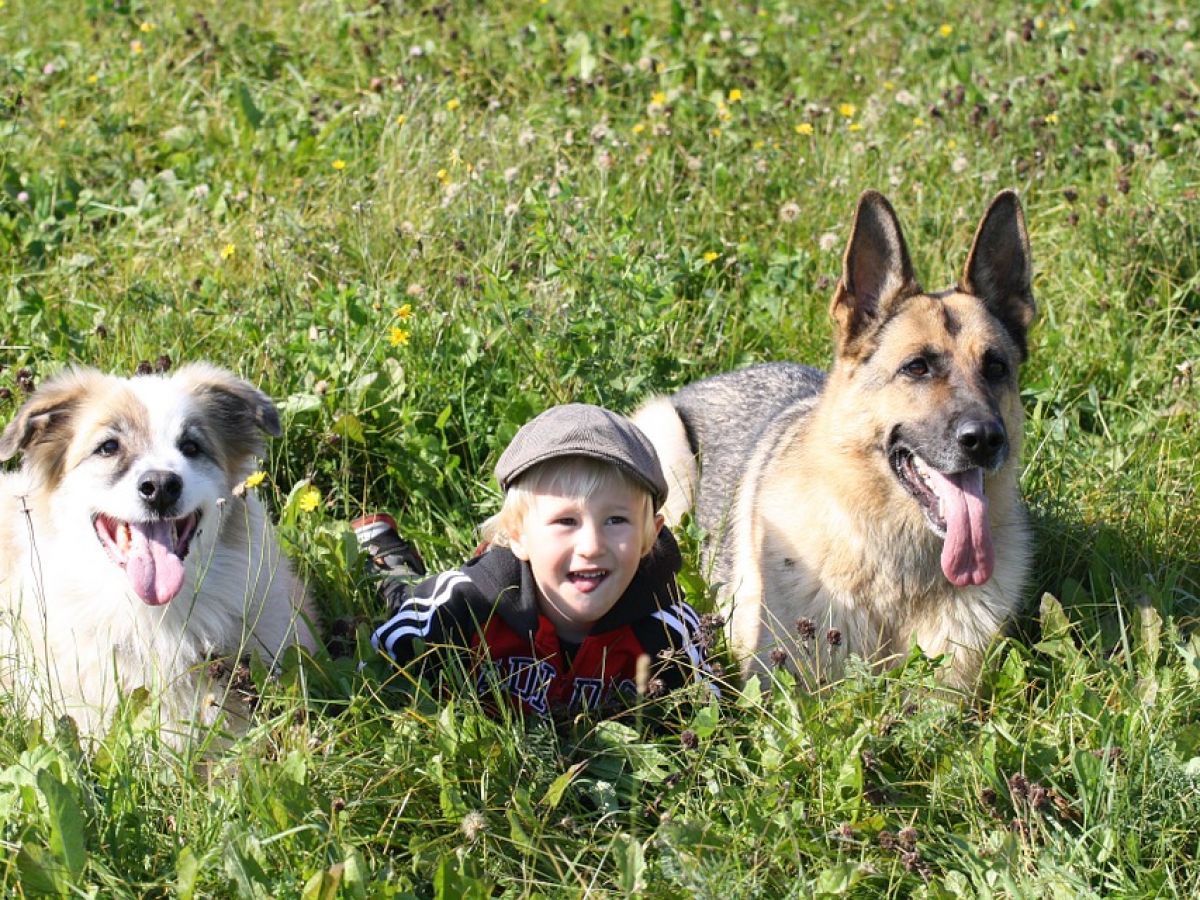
129,554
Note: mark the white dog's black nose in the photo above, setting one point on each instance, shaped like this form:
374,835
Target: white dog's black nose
160,490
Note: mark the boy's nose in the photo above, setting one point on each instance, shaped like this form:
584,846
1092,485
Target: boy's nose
590,540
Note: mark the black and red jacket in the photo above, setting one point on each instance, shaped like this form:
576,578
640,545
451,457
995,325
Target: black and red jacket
489,609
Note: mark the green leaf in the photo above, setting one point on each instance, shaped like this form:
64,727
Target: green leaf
187,873
251,113
560,784
631,864
66,824
41,875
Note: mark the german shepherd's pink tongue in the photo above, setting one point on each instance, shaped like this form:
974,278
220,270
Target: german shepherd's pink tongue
967,553
154,569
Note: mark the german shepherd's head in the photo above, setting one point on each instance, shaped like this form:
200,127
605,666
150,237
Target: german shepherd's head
934,374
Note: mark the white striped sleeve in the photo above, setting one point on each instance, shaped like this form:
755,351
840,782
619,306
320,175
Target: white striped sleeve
417,615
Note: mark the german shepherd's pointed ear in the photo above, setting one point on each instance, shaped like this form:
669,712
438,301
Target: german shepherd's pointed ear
999,271
876,272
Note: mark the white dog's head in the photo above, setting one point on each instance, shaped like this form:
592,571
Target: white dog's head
139,462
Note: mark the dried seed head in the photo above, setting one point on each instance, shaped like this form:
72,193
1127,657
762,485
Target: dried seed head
806,628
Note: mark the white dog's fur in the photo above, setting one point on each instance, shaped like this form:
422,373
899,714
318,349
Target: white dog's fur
95,599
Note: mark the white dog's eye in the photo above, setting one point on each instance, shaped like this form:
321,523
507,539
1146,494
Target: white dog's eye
108,448
189,448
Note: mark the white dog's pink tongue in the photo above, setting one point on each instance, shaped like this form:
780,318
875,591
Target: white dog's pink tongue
967,554
151,564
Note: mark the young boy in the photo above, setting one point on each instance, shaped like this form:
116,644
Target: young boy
578,580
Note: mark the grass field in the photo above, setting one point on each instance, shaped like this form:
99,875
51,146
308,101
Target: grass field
418,224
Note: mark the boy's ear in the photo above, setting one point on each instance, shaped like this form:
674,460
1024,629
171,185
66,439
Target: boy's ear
517,546
659,521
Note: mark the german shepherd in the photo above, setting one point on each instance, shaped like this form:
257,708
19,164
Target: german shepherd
877,506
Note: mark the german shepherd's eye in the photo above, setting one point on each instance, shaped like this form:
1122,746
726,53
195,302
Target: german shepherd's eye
189,448
995,369
917,367
108,448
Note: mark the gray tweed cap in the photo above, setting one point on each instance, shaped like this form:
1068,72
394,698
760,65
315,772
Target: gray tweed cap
580,429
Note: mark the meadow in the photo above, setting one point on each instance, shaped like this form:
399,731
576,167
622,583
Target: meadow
418,224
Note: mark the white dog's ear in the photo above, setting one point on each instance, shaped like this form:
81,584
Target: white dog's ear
236,411
42,423
998,269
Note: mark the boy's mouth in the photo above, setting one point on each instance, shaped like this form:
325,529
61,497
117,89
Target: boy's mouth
587,581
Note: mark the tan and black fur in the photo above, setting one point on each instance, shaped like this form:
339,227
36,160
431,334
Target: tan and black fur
880,500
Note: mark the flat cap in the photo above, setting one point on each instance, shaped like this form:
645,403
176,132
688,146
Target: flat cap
580,429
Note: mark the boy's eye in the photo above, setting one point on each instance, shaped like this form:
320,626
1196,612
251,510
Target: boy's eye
618,520
564,520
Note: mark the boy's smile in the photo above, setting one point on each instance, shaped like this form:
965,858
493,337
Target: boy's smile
583,552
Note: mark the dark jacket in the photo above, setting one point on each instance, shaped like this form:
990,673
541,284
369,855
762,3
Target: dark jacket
488,609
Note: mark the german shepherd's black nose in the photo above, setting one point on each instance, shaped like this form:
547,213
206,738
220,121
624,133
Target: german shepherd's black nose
984,441
160,490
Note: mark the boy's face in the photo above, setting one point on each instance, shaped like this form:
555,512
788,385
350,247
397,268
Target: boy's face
583,553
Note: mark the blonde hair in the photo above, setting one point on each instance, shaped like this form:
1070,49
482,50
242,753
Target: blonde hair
579,477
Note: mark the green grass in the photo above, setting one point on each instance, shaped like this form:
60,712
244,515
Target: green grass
241,187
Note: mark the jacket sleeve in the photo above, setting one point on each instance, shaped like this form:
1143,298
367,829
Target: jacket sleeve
669,636
444,609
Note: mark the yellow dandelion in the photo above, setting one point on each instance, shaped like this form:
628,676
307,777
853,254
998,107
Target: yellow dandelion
147,27
758,145
227,251
452,104
62,123
255,479
639,127
401,119
659,97
946,30
711,255
951,144
397,336
1070,25
918,122
443,176
804,128
404,312
93,78
735,96
310,499
855,126
715,132
1039,23
339,164
136,47
1051,119
889,85
848,110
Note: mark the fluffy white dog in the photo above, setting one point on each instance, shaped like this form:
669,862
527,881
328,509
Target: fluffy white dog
130,553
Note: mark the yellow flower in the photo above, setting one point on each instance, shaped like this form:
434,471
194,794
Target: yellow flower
443,176
147,27
404,312
711,255
735,95
804,128
918,122
398,337
1039,23
339,164
639,127
855,126
889,85
136,47
254,480
452,104
758,145
715,132
946,30
310,499
659,97
227,251
62,123
93,78
401,119
951,144
1070,25
848,110
1051,119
